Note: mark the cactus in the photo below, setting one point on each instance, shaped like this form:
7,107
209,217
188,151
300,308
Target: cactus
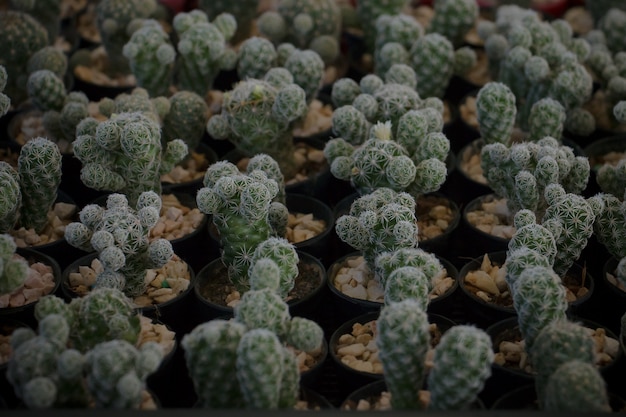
394,36
22,35
50,58
259,118
521,172
5,101
46,12
413,162
243,11
539,299
125,155
557,343
151,56
117,372
255,57
612,25
610,220
242,207
116,21
306,24
432,58
46,90
203,49
381,221
119,234
37,179
186,119
62,124
403,340
461,365
367,13
612,178
576,386
529,234
14,269
547,118
307,68
496,111
453,19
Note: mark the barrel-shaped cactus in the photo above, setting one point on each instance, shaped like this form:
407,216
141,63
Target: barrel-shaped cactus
577,386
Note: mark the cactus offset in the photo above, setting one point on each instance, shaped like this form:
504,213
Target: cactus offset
14,269
453,19
577,386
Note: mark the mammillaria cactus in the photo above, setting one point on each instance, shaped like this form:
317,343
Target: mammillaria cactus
14,270
151,56
186,119
243,212
462,364
38,177
47,12
203,49
576,386
243,11
116,21
258,118
413,162
547,118
557,343
119,234
609,222
432,58
22,36
5,101
394,36
368,12
378,222
306,24
453,19
125,155
496,111
117,372
521,172
46,90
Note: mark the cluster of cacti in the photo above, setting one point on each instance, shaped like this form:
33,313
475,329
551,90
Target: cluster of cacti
203,49
461,363
124,154
453,19
46,374
116,20
367,13
244,12
119,234
380,221
151,57
307,24
538,59
243,210
610,221
22,35
259,117
412,160
522,171
496,112
30,191
246,356
13,269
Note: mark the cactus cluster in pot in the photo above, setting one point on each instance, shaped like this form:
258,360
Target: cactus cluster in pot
68,363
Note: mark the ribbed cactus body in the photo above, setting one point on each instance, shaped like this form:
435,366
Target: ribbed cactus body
462,364
539,299
613,24
260,379
496,111
403,340
151,56
39,167
577,386
13,271
211,355
22,36
559,342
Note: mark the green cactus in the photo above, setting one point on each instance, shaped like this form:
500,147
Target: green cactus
576,386
557,343
520,259
203,49
62,124
240,205
283,255
307,69
394,36
211,355
522,171
610,220
403,340
116,20
612,178
453,19
461,365
151,56
539,299
432,58
387,262
496,111
22,35
306,24
125,155
119,234
378,222
367,13
50,58
532,235
5,101
186,119
14,269
46,90
547,118
259,118
117,372
612,25
243,11
46,12
11,198
407,282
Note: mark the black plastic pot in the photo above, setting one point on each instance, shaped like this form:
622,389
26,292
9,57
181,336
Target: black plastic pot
308,307
175,313
614,300
478,242
26,312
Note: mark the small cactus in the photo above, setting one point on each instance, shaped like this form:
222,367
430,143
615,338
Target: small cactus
14,269
576,386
